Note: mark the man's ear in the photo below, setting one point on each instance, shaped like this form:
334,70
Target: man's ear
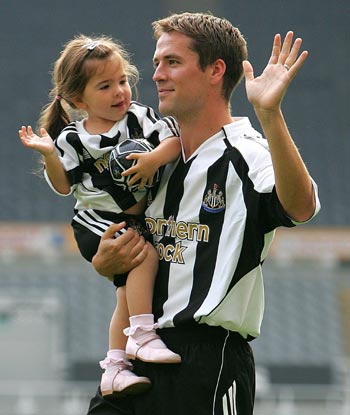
218,70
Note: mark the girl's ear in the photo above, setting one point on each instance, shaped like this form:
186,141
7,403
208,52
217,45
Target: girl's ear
79,103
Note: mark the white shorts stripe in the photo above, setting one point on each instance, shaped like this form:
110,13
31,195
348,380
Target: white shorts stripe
229,401
225,402
92,221
98,217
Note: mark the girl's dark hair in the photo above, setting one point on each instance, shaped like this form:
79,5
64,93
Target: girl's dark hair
71,74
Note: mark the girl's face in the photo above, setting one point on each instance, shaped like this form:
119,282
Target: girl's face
107,95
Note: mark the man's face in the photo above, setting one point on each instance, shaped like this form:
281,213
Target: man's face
181,83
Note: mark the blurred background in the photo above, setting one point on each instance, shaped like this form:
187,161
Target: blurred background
54,308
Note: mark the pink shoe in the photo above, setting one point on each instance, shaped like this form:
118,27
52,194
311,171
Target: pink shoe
149,348
120,381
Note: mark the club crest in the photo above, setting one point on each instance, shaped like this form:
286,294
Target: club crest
214,200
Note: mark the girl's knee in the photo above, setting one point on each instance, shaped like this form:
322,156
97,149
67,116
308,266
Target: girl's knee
152,253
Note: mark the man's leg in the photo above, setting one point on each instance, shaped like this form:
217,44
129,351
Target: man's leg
109,405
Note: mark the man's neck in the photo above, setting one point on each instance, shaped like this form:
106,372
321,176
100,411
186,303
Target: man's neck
195,132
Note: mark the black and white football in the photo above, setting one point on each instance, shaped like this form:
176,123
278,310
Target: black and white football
118,162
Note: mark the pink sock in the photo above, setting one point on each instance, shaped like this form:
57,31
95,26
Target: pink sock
142,328
115,359
141,320
116,354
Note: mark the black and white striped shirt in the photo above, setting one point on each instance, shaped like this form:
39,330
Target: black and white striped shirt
85,157
213,221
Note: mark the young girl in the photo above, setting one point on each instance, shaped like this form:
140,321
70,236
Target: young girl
94,76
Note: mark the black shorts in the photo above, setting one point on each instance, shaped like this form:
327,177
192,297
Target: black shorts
216,377
89,225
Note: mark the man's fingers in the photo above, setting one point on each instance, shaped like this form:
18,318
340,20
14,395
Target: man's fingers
111,230
276,49
286,47
248,71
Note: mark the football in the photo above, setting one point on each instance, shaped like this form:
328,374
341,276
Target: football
118,162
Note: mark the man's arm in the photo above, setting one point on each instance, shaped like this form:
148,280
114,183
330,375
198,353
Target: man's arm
119,255
266,92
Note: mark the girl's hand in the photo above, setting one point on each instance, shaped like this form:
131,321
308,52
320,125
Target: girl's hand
143,171
43,144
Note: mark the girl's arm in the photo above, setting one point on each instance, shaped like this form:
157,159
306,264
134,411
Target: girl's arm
45,146
148,163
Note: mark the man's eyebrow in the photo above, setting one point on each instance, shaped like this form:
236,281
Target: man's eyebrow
167,57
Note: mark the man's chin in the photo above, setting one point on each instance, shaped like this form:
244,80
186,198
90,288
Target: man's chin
164,109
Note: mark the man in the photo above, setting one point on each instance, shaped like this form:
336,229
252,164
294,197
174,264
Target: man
214,216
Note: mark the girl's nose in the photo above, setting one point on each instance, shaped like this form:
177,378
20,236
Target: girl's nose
118,91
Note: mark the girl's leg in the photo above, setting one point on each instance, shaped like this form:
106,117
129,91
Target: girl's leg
119,321
143,342
117,378
140,283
